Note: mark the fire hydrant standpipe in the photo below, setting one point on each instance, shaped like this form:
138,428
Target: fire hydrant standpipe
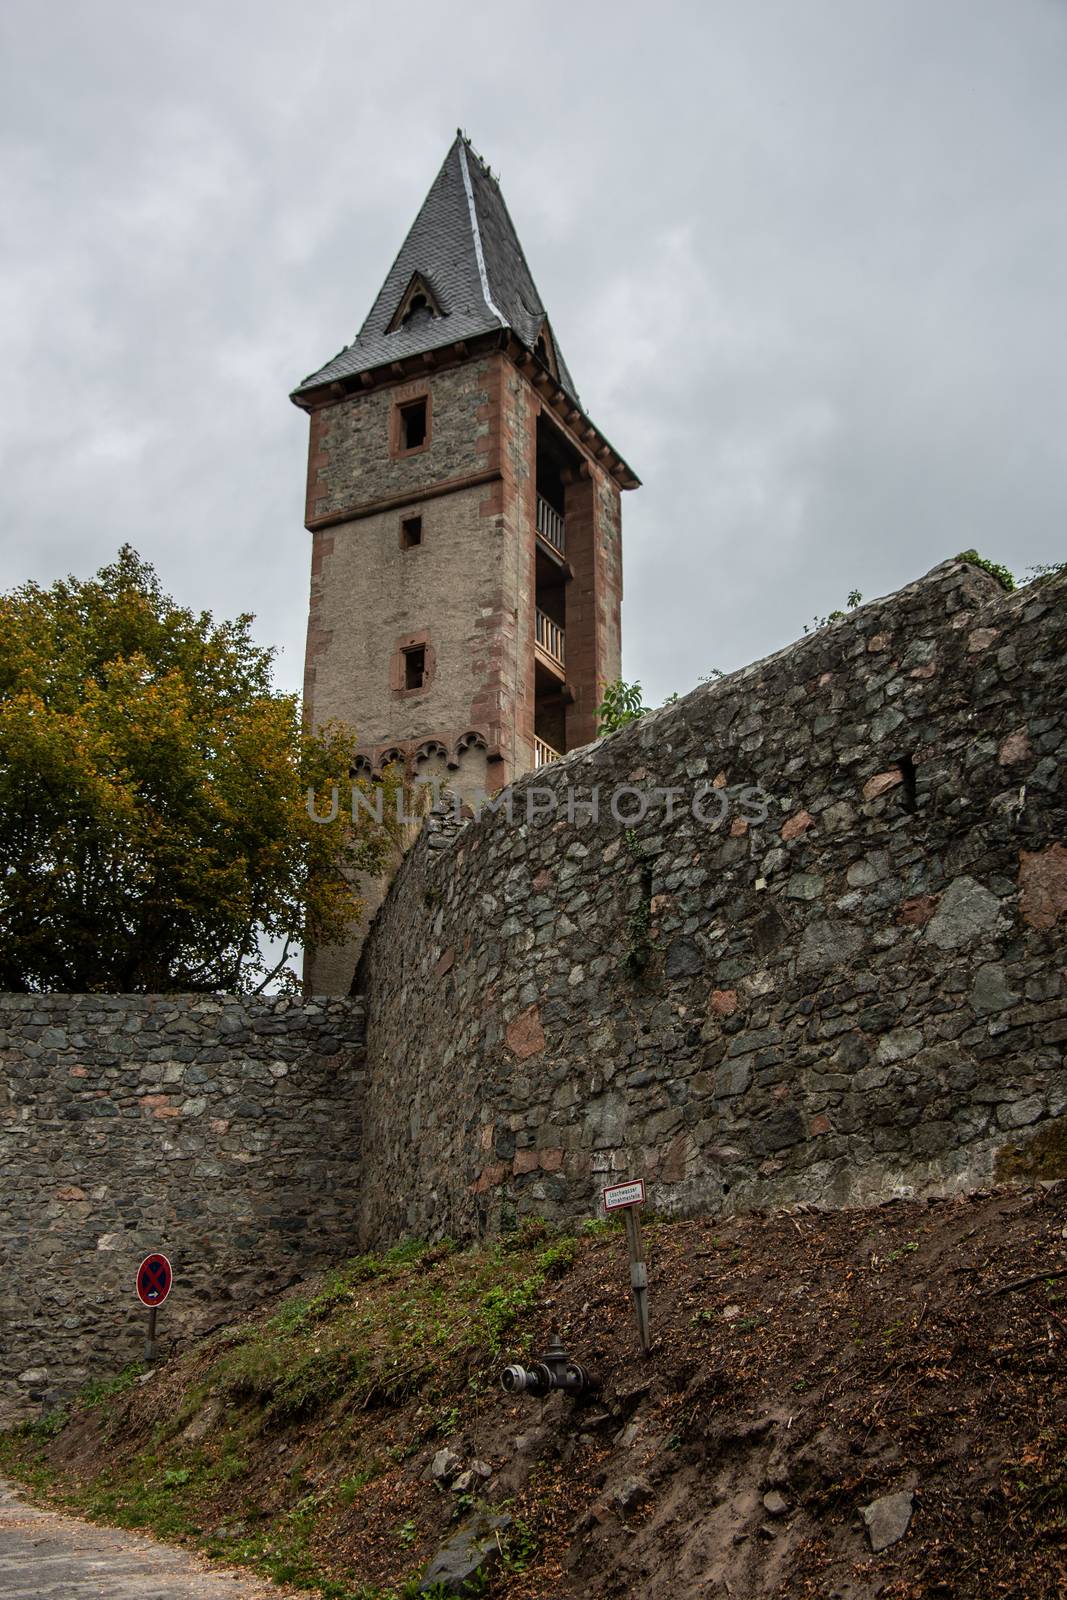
555,1370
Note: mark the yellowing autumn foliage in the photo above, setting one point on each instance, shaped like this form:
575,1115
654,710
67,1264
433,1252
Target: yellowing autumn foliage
154,830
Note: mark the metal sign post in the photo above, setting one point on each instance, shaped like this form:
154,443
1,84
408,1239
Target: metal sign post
626,1197
154,1279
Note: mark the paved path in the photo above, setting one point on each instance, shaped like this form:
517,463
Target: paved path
45,1555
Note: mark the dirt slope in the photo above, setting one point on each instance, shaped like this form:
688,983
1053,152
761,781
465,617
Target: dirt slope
804,1366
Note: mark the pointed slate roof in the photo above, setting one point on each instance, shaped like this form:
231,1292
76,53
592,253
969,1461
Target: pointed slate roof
464,245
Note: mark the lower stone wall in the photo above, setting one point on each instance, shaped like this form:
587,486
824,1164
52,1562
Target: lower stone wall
861,993
224,1132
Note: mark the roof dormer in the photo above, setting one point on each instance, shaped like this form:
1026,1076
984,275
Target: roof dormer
417,304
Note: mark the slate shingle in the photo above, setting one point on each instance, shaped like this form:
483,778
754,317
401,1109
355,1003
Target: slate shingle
443,246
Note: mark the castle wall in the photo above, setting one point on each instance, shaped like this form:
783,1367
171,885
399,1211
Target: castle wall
859,996
224,1132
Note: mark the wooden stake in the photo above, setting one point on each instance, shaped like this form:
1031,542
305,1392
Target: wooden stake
638,1274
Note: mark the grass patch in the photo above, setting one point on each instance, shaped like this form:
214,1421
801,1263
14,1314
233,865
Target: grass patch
416,1321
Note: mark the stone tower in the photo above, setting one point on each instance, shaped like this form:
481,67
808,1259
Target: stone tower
466,567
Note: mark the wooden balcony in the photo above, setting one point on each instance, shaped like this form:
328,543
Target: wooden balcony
544,754
550,526
550,640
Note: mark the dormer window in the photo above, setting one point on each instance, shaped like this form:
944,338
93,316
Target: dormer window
418,304
545,351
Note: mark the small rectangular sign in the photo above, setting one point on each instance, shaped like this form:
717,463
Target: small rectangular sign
625,1194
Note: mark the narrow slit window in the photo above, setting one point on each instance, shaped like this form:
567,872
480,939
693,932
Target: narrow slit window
415,667
908,797
410,532
413,425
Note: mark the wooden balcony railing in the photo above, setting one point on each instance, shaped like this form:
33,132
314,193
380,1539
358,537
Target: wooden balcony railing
550,639
550,525
544,753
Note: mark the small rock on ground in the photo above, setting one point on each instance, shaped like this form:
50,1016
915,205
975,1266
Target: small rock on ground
888,1519
471,1551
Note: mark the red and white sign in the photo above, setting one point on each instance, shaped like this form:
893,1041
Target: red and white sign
154,1279
625,1194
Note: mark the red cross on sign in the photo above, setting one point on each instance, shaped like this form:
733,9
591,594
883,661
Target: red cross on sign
154,1278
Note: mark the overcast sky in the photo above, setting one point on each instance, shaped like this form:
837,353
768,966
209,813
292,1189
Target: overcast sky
806,261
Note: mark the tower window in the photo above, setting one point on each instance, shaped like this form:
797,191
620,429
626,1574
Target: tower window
410,532
413,424
418,304
415,667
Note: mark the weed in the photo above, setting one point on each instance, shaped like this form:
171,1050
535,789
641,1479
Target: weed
349,1488
558,1259
501,1308
407,1532
1003,576
520,1547
43,1427
530,1231
896,1255
596,1227
96,1392
447,1422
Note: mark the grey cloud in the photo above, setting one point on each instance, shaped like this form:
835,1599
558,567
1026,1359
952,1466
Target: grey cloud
806,263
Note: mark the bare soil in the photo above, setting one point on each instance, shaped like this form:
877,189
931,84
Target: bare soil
826,1358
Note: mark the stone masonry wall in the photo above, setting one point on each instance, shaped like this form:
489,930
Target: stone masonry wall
861,995
224,1132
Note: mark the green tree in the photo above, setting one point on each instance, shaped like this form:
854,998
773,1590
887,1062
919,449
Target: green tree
154,827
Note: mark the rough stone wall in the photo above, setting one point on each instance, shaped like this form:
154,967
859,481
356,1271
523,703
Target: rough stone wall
225,1133
351,462
861,995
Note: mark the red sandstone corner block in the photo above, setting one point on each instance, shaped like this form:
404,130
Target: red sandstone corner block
797,823
881,783
445,962
981,639
488,1178
676,1161
159,1105
526,1161
1043,886
525,1035
918,911
723,1002
1015,748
